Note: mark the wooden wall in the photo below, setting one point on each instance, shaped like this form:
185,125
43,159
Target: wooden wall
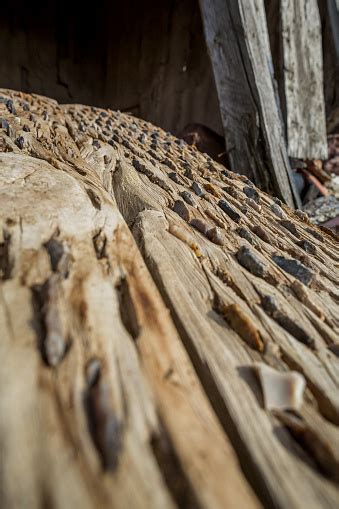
146,57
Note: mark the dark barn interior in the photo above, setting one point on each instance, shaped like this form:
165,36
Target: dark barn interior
148,58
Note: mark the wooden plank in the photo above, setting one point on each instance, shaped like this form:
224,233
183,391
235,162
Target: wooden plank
99,403
237,39
140,429
329,17
303,79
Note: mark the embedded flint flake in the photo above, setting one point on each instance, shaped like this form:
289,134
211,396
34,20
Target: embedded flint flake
281,391
197,189
295,268
214,235
290,227
186,237
188,198
303,295
307,246
245,234
262,234
251,193
200,225
248,259
253,204
278,211
243,325
229,211
182,210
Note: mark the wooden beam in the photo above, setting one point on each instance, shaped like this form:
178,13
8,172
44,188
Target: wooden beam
299,69
140,286
237,39
303,64
329,15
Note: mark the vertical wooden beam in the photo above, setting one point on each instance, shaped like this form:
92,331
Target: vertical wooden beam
303,77
237,39
329,17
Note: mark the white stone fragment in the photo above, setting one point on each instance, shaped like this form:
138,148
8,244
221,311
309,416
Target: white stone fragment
281,391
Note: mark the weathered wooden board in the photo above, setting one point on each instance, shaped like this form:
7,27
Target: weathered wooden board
303,64
237,38
329,17
123,384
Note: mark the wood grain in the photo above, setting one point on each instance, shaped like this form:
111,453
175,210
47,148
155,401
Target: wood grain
303,79
123,383
237,38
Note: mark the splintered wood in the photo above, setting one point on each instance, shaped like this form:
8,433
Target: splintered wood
142,284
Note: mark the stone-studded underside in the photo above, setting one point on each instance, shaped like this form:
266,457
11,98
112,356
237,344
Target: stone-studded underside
141,283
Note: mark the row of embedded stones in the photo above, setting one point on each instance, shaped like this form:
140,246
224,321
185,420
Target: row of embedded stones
245,255
125,130
180,159
128,130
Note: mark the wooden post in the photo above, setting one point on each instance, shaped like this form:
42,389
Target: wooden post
329,15
237,39
298,63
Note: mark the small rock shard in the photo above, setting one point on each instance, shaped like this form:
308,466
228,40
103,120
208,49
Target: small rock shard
188,198
307,246
10,106
245,234
270,305
212,189
137,165
20,142
334,349
182,210
243,325
281,391
197,189
248,259
290,227
315,234
253,204
302,293
251,193
277,210
188,173
229,211
231,191
93,371
295,268
262,234
214,235
169,163
200,225
174,176
302,215
186,237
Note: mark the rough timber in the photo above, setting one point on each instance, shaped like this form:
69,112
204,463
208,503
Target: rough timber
140,282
